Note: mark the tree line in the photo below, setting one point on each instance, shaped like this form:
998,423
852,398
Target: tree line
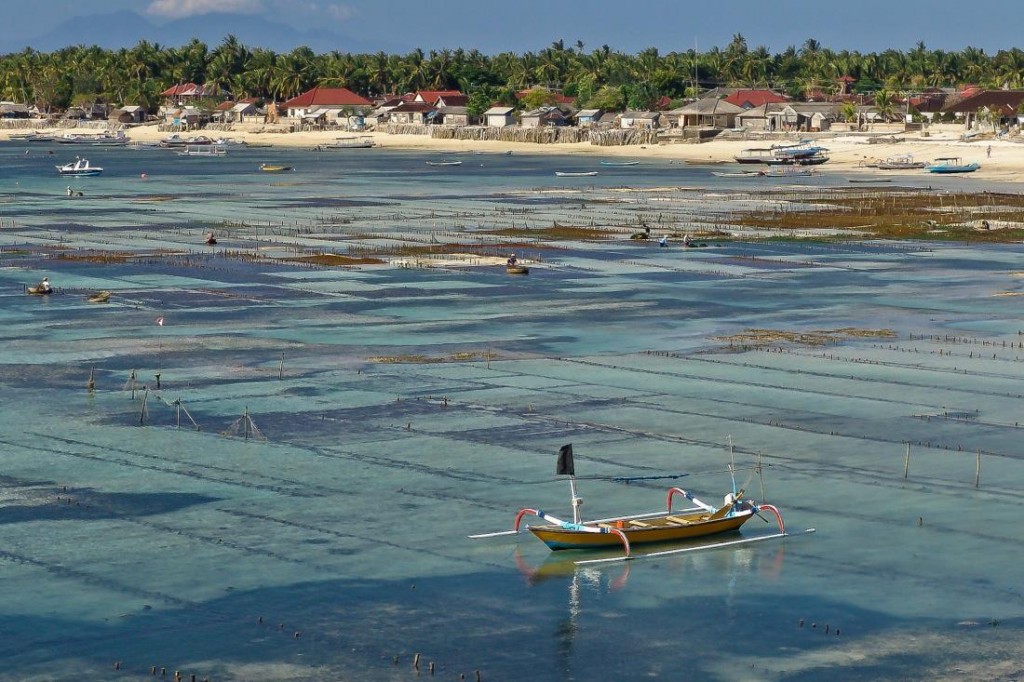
598,78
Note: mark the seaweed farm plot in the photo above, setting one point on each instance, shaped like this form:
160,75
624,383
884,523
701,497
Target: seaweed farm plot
256,462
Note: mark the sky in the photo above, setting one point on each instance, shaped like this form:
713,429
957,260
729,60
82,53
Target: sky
494,26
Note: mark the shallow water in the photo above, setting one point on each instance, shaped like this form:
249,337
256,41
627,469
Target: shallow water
337,549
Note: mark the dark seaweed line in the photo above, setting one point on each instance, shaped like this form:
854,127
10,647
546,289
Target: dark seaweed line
850,377
150,467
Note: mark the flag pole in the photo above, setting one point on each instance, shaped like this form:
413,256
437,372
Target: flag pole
577,517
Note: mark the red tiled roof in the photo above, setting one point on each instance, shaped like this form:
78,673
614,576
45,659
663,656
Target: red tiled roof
431,96
453,100
751,99
337,97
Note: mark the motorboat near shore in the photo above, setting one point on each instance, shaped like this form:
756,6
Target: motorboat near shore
79,168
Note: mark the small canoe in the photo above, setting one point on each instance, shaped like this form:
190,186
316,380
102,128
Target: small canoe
517,269
270,168
619,164
444,163
39,291
98,297
573,174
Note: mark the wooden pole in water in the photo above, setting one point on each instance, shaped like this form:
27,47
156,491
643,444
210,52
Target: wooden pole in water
760,475
280,373
977,468
906,461
92,379
177,413
132,379
142,414
245,422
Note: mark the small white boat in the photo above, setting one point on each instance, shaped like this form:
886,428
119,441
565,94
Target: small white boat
575,174
619,163
737,174
203,150
444,163
78,168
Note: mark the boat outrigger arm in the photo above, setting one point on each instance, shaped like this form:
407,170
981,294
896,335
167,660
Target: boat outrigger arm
570,526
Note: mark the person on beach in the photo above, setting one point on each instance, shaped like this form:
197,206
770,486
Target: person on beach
989,151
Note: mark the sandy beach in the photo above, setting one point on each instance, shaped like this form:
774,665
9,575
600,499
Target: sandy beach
848,151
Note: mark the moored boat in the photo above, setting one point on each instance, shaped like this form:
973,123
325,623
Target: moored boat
754,155
444,163
952,164
575,174
670,525
98,297
619,163
905,162
273,168
78,168
517,269
203,150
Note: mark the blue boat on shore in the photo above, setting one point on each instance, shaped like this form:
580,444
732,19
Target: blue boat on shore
952,164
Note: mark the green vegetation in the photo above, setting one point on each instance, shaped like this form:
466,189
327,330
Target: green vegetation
601,77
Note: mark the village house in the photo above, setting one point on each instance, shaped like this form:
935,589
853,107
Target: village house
88,112
14,110
993,107
184,94
237,112
586,118
186,118
454,116
707,113
413,112
130,114
499,117
327,107
640,119
543,117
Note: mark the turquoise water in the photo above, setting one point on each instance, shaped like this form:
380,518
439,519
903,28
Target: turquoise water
337,548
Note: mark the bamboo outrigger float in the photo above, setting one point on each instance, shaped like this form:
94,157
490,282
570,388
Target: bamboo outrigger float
699,521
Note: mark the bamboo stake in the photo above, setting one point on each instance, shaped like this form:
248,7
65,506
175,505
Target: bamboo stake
906,462
977,468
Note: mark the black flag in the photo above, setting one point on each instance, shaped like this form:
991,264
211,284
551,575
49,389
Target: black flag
565,466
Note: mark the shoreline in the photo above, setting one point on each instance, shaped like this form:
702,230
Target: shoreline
847,153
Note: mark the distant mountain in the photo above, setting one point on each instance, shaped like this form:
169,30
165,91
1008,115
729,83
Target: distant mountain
125,29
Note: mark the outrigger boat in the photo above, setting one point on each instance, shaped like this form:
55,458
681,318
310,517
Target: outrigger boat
273,168
670,525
